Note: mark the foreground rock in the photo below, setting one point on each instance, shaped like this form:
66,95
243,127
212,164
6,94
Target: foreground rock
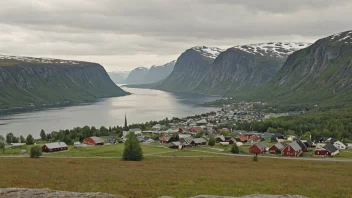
46,193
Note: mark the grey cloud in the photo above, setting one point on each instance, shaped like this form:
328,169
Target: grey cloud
159,28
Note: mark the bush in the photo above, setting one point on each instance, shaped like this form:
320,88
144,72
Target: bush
132,151
211,141
255,158
29,140
235,149
36,151
2,146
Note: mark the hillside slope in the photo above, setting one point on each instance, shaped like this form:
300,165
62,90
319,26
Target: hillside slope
26,81
243,68
321,73
118,77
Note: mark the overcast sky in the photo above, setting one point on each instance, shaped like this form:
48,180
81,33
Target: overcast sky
124,34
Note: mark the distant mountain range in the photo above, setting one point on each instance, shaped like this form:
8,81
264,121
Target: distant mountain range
27,82
281,72
119,77
143,75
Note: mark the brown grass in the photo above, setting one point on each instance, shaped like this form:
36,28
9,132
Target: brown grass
181,177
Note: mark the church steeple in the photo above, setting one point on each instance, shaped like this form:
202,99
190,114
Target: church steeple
125,128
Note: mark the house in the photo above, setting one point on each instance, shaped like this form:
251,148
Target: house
136,131
175,145
148,140
267,135
339,145
198,141
156,127
277,137
201,122
186,140
327,150
258,148
195,129
111,139
292,150
93,141
302,145
239,143
164,140
349,145
220,138
54,147
277,148
319,145
308,143
243,138
254,138
231,140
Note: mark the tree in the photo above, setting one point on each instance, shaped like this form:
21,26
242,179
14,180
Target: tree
2,146
211,141
2,139
36,151
9,138
29,140
22,139
132,151
42,135
199,134
235,149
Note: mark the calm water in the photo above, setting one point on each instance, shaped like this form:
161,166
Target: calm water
143,105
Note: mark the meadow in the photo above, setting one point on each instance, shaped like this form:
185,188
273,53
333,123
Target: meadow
180,177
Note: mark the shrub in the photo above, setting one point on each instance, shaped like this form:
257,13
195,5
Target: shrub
255,158
211,141
235,149
2,146
132,151
36,151
29,140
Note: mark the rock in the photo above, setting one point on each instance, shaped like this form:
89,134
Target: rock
46,193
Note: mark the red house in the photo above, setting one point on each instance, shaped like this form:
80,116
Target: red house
302,145
327,150
243,138
254,137
258,148
277,148
195,129
94,141
292,150
54,147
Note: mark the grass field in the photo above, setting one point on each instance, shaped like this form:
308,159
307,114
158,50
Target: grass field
180,177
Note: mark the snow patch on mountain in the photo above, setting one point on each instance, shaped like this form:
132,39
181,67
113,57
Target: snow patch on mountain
345,37
273,49
38,60
211,52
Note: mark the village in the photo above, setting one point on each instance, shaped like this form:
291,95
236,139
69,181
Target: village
195,133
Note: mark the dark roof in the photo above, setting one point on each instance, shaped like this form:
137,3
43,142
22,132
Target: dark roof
301,144
263,144
330,147
198,140
54,145
279,146
309,143
283,144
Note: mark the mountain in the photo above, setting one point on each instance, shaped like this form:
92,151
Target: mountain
243,68
27,81
189,69
118,77
321,73
137,75
158,73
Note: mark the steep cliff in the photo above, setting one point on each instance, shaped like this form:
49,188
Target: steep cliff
137,75
321,73
189,69
158,73
26,81
243,68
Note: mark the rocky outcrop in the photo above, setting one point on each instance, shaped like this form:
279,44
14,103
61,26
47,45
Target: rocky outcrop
319,73
137,75
47,193
26,81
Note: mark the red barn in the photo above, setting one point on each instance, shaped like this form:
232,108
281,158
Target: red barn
93,141
54,147
258,148
293,150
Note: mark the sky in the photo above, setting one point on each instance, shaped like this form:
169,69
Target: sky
124,34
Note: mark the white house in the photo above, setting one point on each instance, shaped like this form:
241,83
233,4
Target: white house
156,127
340,145
136,131
319,145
